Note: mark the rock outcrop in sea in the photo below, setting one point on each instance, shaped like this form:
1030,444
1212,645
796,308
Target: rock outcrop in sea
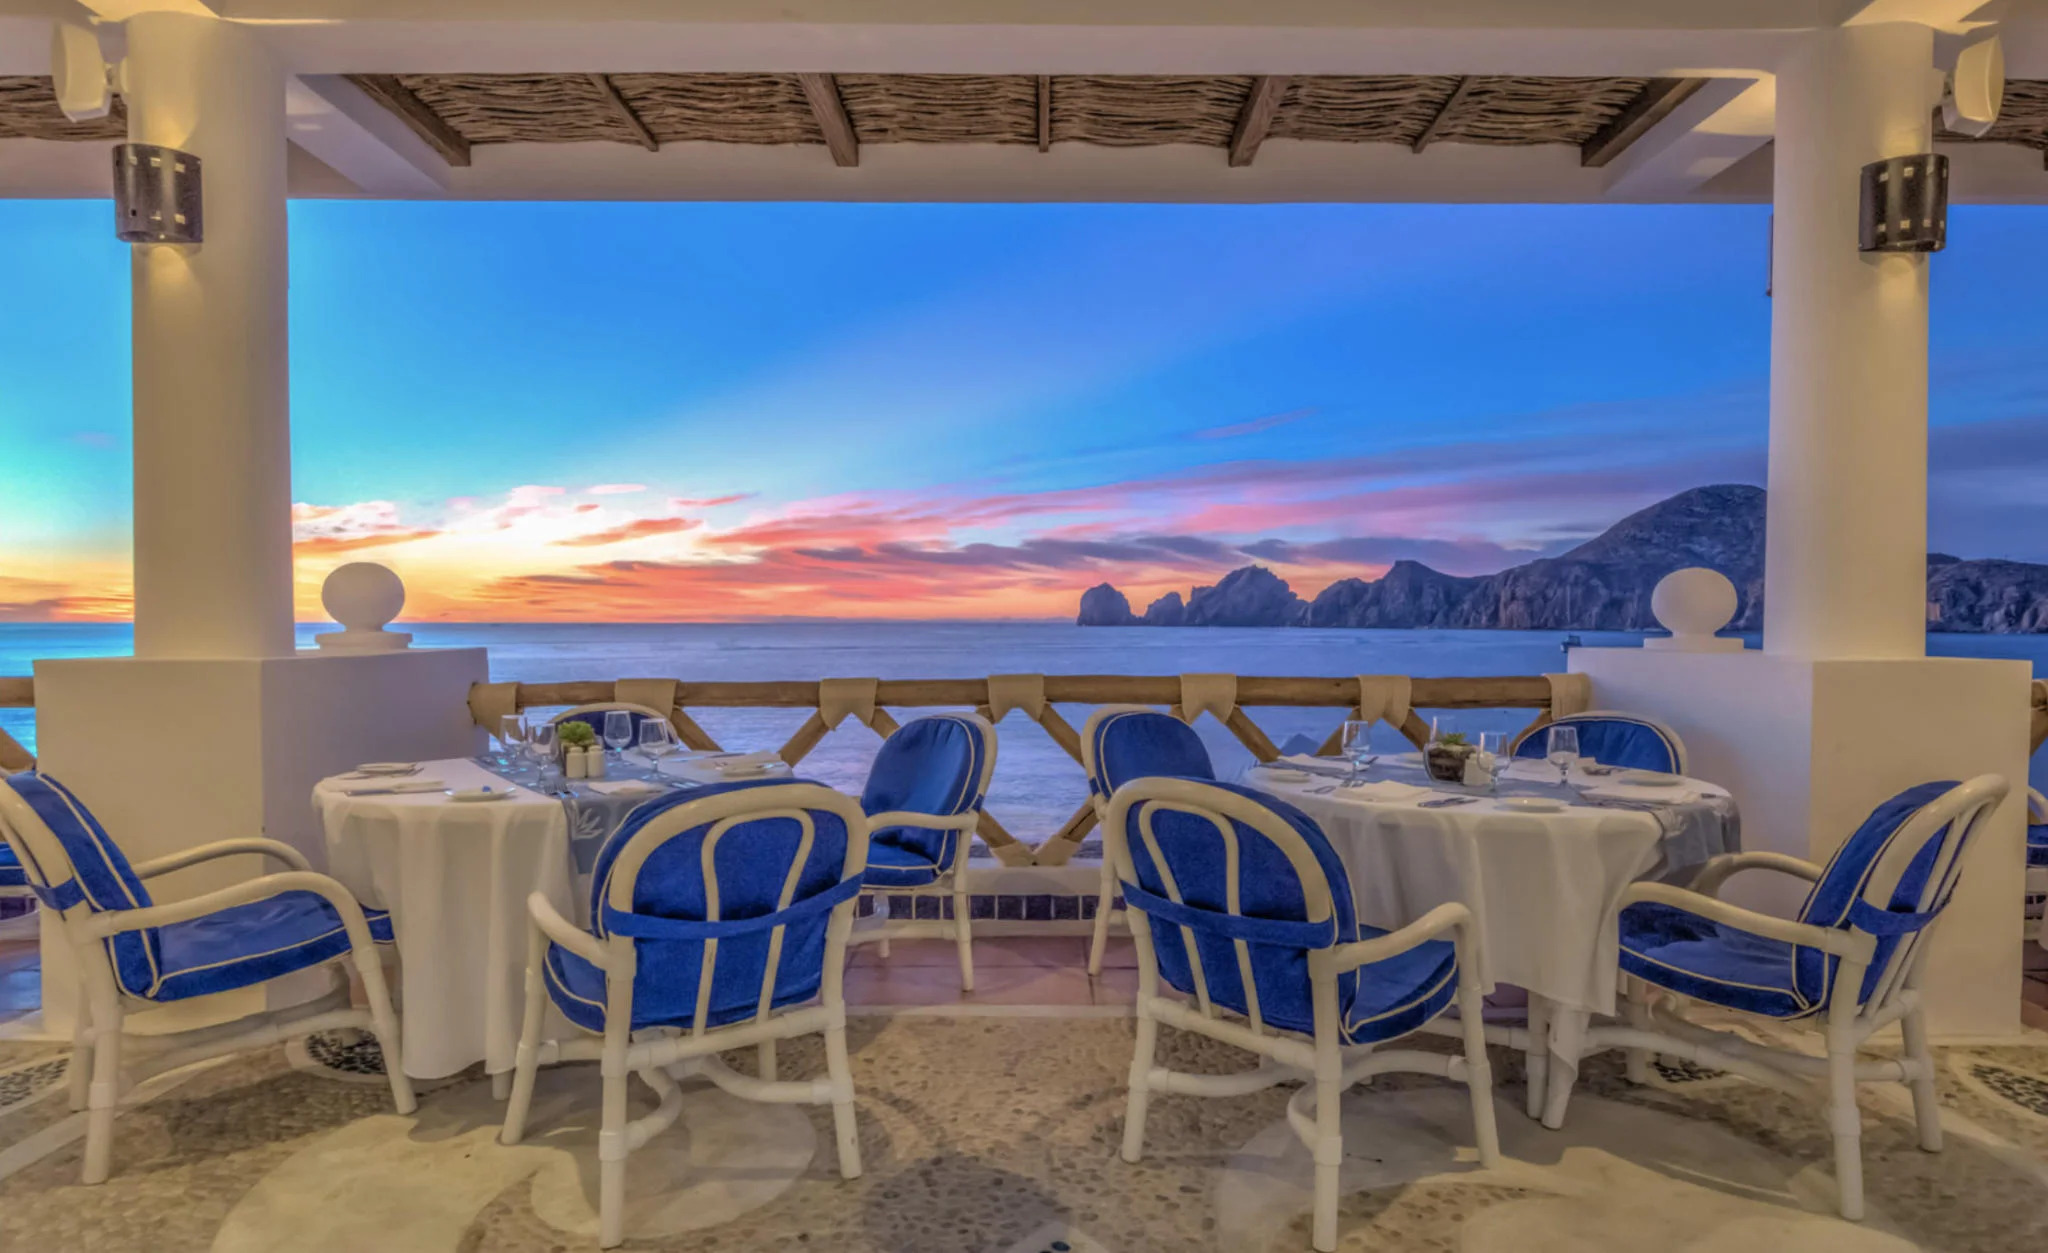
1603,584
1103,605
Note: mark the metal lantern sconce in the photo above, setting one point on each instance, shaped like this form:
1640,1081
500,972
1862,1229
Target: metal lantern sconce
156,195
1905,204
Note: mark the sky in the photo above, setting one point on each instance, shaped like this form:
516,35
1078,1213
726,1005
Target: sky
691,412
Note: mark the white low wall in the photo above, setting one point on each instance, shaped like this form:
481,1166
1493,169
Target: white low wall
1809,748
170,754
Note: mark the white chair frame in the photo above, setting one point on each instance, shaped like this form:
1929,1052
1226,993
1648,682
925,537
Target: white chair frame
1105,894
1677,744
660,1056
2037,876
951,882
1326,1066
95,1073
1654,1023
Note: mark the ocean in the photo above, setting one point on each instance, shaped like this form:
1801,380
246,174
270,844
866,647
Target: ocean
1036,784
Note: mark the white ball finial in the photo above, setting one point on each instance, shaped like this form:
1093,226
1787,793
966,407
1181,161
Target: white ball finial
363,596
1693,604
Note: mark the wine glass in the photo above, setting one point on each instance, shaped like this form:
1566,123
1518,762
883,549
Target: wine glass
1493,751
542,741
656,742
1563,751
618,731
1357,743
511,740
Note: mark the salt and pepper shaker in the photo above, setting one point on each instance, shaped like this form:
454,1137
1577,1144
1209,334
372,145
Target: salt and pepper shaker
593,762
573,762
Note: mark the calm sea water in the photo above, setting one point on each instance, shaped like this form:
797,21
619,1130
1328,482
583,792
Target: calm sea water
1036,784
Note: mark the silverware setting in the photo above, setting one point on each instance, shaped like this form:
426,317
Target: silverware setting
1445,802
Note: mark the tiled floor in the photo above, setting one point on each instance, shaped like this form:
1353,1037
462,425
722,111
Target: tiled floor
1049,970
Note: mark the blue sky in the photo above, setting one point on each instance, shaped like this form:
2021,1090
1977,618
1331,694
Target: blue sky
942,410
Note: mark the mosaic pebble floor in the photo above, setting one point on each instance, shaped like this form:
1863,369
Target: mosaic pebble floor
998,1135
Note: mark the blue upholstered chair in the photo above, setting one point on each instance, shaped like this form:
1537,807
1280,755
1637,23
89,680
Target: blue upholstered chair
719,919
1613,739
134,954
1851,962
1238,901
13,878
1120,743
923,800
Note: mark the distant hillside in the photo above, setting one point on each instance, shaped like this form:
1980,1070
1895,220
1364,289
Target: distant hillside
1603,584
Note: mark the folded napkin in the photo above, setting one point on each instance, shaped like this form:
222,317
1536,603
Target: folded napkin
625,787
378,787
1388,791
1327,766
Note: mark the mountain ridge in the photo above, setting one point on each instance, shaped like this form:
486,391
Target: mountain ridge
1604,583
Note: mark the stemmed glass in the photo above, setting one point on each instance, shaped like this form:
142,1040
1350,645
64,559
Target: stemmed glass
1357,743
541,742
618,732
1563,752
656,742
511,741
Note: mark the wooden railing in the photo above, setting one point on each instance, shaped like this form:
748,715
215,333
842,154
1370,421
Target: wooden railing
1532,692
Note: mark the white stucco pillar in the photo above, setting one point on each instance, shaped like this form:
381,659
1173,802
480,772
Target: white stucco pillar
213,575
1845,569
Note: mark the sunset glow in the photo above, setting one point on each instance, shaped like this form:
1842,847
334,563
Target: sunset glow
706,412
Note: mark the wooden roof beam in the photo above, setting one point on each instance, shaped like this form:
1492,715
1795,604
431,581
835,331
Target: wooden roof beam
1045,112
1257,117
1436,124
822,90
624,112
386,90
1659,97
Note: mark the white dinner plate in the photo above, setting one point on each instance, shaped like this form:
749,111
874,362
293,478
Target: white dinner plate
474,795
746,772
1281,774
1531,804
1649,778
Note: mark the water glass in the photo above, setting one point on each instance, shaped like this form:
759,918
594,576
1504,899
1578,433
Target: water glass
618,731
1493,753
1357,744
511,741
656,742
1563,751
542,742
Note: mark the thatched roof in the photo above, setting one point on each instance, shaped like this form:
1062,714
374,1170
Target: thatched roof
457,111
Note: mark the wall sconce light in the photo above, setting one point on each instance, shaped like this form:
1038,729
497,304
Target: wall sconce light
156,195
1905,204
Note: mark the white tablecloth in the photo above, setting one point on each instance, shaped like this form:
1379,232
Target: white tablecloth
455,877
1543,888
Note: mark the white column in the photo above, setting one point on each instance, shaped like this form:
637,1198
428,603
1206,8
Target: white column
213,574
1845,566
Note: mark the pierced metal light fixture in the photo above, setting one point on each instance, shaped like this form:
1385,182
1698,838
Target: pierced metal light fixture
156,195
1905,204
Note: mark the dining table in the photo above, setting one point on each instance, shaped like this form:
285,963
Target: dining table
1540,856
455,870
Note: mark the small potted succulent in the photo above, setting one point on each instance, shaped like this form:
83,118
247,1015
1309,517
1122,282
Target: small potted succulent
1446,756
580,756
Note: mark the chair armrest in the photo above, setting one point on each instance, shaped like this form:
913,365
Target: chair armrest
2037,806
1446,917
905,818
1720,869
549,922
1852,945
291,857
116,921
